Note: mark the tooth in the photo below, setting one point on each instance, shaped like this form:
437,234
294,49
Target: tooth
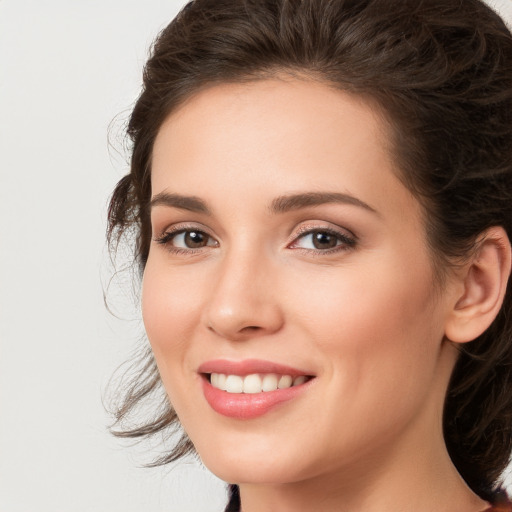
234,384
221,381
284,382
252,383
299,380
269,382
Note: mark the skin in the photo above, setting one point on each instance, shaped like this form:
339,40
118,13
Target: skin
366,317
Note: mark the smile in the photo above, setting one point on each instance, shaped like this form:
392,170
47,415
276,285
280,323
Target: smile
251,388
255,383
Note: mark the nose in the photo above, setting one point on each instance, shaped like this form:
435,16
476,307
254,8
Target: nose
244,303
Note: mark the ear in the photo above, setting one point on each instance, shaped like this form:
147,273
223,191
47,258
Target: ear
484,281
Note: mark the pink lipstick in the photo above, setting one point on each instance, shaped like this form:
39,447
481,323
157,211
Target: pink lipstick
250,388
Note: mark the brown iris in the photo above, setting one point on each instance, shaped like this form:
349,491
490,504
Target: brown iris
324,240
195,239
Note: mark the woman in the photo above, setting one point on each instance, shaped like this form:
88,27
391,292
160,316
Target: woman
321,201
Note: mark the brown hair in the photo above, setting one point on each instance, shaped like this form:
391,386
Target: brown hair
441,71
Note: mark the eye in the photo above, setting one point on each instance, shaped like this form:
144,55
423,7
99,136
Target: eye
187,239
191,239
323,240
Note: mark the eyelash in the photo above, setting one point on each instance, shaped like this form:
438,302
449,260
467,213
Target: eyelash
168,236
346,242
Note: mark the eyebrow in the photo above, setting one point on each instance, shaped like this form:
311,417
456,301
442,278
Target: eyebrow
281,204
286,203
190,203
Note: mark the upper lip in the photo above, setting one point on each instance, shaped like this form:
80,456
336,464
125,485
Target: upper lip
248,367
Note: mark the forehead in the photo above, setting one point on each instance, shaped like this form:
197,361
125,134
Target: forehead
282,136
279,96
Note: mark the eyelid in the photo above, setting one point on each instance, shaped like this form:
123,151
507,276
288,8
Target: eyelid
309,226
182,226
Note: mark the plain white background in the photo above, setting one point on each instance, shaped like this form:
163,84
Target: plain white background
68,70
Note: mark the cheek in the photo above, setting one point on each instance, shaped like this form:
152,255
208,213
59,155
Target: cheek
171,302
367,303
379,342
170,313
376,323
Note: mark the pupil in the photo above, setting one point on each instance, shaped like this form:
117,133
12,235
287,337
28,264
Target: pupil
322,240
195,239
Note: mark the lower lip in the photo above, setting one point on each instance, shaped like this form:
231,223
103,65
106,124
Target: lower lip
246,406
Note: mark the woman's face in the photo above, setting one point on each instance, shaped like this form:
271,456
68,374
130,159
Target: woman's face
286,251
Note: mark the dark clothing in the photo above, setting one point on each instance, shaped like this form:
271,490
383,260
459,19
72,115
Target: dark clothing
234,499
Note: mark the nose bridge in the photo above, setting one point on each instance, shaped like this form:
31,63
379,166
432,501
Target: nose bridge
243,300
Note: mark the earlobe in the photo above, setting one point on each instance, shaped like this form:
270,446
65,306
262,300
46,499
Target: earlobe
485,280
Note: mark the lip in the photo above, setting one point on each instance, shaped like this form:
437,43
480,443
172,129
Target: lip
249,406
248,366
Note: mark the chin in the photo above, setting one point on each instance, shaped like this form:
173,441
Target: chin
237,466
247,473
